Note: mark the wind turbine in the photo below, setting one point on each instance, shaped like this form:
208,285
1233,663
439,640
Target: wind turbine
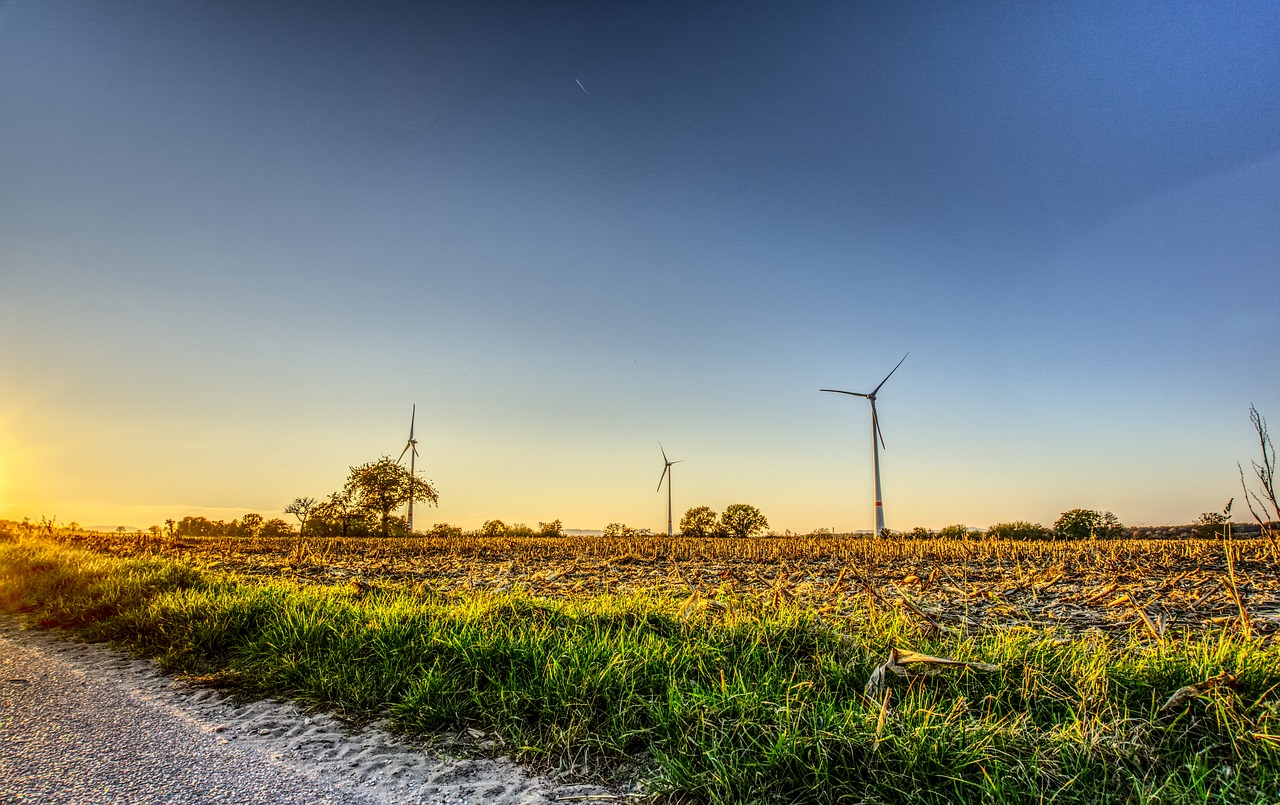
666,473
412,444
875,435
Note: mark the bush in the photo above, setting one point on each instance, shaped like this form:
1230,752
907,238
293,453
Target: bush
1209,525
552,529
1088,524
493,528
444,530
620,530
957,531
1019,529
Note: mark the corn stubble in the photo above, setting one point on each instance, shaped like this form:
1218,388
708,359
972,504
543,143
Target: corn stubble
790,669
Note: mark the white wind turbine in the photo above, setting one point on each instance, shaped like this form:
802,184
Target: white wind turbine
412,444
877,440
666,473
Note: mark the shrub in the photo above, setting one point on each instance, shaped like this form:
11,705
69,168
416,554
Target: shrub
1087,524
493,528
1019,529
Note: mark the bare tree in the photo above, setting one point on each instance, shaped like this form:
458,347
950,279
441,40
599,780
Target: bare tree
1262,502
302,509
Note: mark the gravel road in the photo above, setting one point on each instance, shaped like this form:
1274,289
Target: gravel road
82,724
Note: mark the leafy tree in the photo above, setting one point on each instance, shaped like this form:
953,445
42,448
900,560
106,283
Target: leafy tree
154,530
1087,524
444,530
743,520
519,530
1209,525
383,486
618,530
275,527
493,528
956,531
699,521
302,508
919,532
552,529
337,514
1018,529
251,524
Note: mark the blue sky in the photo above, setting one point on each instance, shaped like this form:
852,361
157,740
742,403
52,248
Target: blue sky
238,241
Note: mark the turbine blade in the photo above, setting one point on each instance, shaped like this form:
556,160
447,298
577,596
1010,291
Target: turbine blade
875,420
850,393
886,377
402,452
662,477
664,453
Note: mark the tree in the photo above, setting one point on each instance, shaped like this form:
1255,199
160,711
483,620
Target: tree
619,530
743,520
1018,529
699,521
552,529
1209,525
275,527
957,531
493,528
250,524
1262,502
1087,524
339,510
301,508
383,486
444,530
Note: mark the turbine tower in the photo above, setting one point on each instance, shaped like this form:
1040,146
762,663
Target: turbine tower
876,436
666,473
412,444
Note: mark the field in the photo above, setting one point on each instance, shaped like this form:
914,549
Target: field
974,584
818,670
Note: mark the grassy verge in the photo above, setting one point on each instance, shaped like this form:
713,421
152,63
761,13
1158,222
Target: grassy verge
733,701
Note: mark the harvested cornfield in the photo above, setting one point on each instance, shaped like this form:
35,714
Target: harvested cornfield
1154,585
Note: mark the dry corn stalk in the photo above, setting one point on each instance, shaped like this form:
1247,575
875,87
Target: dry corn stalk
1185,694
901,663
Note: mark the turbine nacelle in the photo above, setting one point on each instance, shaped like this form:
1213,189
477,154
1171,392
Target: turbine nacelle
412,444
877,437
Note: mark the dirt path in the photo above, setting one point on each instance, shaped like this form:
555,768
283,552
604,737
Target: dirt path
80,723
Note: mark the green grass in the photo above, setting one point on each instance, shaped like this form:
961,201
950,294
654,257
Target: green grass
755,702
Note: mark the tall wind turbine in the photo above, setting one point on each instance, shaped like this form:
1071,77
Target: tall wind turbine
412,444
877,440
666,473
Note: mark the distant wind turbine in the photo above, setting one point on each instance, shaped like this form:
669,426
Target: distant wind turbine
412,444
666,473
877,440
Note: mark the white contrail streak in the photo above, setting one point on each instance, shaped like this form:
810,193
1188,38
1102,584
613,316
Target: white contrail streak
584,89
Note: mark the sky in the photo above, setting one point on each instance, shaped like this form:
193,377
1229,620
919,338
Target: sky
240,241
